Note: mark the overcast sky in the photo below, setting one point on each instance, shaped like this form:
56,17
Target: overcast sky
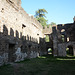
59,11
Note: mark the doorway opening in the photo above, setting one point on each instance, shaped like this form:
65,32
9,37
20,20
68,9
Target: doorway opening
69,50
11,57
50,51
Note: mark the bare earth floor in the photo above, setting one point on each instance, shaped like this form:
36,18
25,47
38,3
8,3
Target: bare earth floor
44,65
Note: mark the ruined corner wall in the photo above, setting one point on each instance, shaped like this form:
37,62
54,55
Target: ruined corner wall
63,37
19,33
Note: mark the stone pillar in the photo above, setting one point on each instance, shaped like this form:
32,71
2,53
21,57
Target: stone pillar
55,41
62,49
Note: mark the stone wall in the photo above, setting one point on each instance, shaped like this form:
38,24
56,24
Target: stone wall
47,30
20,34
63,37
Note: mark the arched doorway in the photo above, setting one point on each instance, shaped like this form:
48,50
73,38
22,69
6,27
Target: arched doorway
69,50
49,51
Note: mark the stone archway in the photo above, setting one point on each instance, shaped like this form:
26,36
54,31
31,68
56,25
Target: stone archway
49,50
70,49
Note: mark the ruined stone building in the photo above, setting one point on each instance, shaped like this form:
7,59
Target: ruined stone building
22,36
61,37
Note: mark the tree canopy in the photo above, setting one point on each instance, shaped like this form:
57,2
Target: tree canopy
40,13
52,23
43,21
40,16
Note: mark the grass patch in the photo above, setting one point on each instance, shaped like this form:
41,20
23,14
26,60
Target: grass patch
43,65
6,70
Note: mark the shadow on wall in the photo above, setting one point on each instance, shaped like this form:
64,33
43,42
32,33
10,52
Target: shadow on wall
16,47
63,35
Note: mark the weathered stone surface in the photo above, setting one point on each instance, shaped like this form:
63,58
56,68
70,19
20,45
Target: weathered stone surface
62,49
64,37
19,33
22,36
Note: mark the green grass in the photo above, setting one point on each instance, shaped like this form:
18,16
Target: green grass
43,65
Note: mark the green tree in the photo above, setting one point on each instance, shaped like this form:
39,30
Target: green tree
43,21
52,23
40,13
40,16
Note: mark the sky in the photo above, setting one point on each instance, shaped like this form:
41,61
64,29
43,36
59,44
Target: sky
59,11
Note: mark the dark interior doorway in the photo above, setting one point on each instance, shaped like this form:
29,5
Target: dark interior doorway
11,57
70,50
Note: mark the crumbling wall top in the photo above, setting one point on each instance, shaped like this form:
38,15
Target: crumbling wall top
30,19
15,3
